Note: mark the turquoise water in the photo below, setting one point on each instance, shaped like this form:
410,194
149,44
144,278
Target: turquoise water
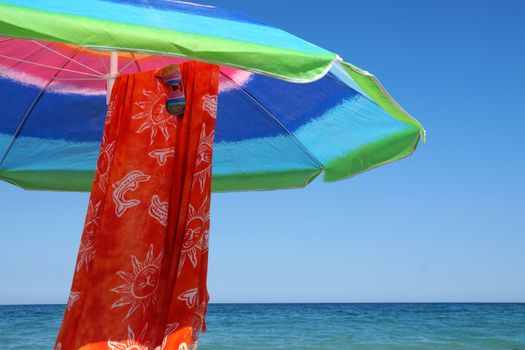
315,326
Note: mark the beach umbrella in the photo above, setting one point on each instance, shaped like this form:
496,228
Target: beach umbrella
287,110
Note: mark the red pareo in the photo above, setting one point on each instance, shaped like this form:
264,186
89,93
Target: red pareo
140,278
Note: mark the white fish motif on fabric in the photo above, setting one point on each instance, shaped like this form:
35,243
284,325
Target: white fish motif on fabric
130,182
162,154
204,154
209,104
156,117
159,210
58,346
170,329
189,297
194,234
140,286
198,321
73,297
132,343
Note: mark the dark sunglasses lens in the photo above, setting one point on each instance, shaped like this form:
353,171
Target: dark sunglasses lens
176,101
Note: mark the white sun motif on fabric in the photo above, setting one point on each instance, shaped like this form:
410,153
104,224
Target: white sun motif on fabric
86,252
203,161
72,299
209,104
140,286
93,213
132,343
104,164
205,240
156,117
111,109
195,233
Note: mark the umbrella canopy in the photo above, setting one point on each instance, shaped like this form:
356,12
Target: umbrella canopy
271,133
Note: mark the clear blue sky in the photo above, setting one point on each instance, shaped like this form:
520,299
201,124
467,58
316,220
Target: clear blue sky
447,224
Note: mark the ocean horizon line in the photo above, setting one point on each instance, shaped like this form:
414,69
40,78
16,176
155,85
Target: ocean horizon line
319,303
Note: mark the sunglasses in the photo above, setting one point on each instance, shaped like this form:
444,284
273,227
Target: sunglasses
176,101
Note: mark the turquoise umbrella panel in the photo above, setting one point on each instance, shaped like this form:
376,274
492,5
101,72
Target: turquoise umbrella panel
168,28
270,133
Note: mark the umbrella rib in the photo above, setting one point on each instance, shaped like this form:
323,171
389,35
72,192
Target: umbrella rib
77,79
346,86
137,63
19,60
32,107
62,55
103,63
277,122
133,59
48,66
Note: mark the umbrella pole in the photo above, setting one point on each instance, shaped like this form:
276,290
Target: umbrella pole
113,73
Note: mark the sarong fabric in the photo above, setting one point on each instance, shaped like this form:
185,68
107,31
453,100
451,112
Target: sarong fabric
140,276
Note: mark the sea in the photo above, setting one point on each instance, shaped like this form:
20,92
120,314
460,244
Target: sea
384,326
